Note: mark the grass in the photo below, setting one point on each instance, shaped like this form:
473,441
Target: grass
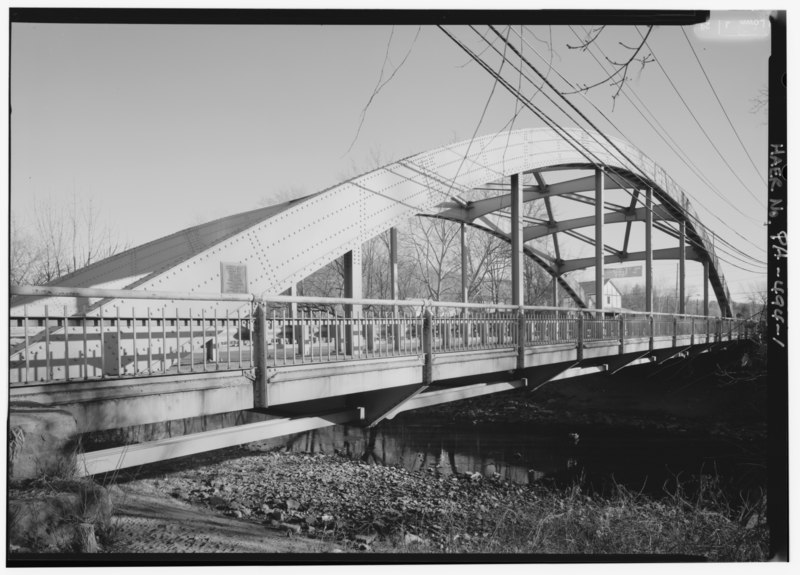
48,512
570,521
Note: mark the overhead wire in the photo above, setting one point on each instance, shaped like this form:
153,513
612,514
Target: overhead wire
691,167
722,106
565,134
687,161
483,114
546,118
597,129
589,133
699,125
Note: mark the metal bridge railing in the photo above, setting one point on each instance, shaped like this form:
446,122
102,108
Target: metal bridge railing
49,345
322,337
179,335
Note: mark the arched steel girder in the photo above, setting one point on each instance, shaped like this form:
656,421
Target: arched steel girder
638,215
660,254
674,206
282,244
474,210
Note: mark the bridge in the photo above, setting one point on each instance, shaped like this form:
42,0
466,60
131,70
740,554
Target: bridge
194,324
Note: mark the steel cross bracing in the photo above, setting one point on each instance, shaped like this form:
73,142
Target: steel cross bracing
282,244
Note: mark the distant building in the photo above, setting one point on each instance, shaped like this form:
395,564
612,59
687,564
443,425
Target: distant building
612,297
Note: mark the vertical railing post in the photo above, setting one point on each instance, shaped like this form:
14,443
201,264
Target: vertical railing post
66,344
299,333
652,333
580,336
692,330
395,287
369,334
674,331
259,352
427,345
621,334
520,338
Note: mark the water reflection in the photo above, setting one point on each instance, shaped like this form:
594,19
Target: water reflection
648,464
519,457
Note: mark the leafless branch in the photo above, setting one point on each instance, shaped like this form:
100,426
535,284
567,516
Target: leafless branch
381,82
619,75
591,36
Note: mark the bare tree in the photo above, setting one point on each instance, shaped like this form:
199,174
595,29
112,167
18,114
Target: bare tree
486,254
23,253
436,258
64,236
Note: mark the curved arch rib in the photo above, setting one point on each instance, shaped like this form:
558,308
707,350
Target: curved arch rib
283,244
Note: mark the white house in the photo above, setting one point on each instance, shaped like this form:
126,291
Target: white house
612,297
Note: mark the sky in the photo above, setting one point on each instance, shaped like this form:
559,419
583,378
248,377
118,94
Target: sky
165,127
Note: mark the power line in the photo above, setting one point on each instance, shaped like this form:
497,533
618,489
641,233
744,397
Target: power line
552,124
699,125
679,153
722,107
668,144
522,59
483,114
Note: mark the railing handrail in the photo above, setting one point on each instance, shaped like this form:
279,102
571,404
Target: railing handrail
103,293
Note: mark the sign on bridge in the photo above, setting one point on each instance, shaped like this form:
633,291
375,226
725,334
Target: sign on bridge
234,277
629,272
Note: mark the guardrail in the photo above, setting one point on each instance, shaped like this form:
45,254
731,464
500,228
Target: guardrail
176,335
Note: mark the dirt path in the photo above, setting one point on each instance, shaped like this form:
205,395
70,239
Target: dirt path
148,522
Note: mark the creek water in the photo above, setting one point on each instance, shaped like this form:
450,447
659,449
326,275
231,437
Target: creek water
644,463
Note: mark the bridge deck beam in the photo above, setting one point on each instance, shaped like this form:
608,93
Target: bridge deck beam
106,460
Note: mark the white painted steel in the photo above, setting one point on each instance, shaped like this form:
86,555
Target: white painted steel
106,460
283,244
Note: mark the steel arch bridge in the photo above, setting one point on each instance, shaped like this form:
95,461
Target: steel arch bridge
282,244
122,343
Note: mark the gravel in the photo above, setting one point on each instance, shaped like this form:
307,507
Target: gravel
328,496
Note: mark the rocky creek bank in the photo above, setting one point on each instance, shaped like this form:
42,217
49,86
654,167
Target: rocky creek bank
351,505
